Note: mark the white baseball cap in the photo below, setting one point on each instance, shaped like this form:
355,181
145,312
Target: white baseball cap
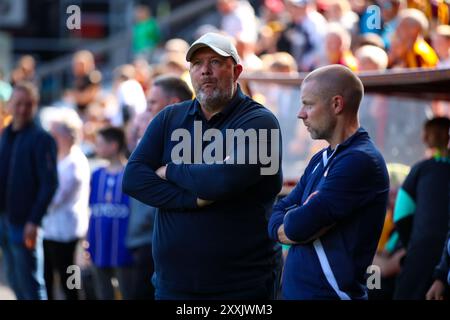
220,44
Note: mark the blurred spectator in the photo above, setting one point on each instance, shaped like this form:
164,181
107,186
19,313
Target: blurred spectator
375,115
108,224
283,62
369,39
397,53
140,228
25,70
268,37
340,11
204,29
371,58
337,47
247,51
137,128
28,180
389,13
421,213
238,19
67,218
304,36
130,96
174,63
176,45
143,73
416,52
146,33
272,10
436,11
441,43
86,82
167,90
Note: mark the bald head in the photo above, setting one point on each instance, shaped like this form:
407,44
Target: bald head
337,80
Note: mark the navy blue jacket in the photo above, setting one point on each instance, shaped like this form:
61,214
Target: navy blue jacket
352,184
32,174
223,246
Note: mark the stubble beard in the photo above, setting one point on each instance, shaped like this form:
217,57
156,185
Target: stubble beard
217,99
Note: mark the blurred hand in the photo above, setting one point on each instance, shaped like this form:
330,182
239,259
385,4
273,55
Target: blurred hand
30,235
161,172
203,203
436,291
282,236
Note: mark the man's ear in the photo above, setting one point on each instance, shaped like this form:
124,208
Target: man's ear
338,104
237,71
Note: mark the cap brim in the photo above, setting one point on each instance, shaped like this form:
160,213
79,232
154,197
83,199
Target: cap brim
200,45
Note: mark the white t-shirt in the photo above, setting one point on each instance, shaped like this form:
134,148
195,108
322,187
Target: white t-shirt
130,94
67,217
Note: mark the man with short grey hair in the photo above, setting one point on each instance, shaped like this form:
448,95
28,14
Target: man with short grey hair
210,239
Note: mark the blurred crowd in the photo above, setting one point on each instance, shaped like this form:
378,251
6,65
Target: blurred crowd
91,223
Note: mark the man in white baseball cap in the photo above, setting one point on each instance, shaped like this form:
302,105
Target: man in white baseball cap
221,44
210,238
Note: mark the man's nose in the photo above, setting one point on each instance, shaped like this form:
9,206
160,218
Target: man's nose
301,113
206,68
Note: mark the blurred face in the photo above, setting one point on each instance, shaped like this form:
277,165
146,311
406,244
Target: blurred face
316,112
333,45
213,77
297,12
389,9
22,107
333,12
142,122
105,149
79,67
157,100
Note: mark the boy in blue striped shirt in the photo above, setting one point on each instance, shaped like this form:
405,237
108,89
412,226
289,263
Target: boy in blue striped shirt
110,210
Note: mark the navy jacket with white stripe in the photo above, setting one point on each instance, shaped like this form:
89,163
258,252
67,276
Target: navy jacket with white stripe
352,185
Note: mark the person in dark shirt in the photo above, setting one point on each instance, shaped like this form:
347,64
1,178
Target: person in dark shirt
421,213
334,216
213,198
28,181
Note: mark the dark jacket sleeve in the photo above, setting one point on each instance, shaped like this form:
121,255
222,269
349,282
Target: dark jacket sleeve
344,190
47,174
140,180
443,268
291,201
220,181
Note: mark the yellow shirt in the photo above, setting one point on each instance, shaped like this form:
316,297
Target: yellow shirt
421,56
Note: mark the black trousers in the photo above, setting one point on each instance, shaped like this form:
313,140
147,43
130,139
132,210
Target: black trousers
58,256
142,273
